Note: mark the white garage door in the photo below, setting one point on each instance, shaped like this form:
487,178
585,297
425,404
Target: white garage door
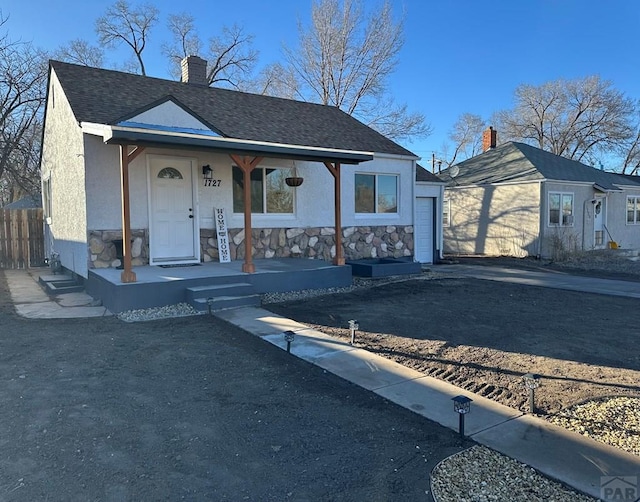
424,229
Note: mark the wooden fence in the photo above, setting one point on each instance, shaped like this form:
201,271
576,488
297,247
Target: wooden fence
21,238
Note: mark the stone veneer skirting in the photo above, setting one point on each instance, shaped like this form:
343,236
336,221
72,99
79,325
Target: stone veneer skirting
319,243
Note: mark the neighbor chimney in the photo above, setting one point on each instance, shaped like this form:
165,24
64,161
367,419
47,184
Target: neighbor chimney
194,70
489,139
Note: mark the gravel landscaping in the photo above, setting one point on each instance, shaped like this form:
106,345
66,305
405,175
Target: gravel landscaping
480,474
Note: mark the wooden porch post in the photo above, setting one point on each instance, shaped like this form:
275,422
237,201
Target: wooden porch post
334,169
247,166
128,275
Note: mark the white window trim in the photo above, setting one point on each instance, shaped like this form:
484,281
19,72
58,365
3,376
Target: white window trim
635,210
46,198
446,209
573,209
377,213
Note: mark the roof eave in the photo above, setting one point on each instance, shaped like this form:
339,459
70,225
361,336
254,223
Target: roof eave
116,135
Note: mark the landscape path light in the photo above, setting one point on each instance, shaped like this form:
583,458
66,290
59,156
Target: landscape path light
462,406
288,337
531,382
353,326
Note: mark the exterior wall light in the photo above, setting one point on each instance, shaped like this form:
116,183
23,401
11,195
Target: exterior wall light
207,172
531,382
462,406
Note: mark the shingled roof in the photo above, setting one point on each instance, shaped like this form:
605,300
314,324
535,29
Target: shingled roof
517,162
109,97
423,175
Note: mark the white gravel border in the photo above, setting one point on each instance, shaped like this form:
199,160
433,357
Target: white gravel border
480,474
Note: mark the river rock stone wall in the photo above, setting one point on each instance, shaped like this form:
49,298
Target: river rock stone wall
103,252
358,242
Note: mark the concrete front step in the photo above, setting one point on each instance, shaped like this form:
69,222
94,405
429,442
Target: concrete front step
225,302
222,296
55,284
209,291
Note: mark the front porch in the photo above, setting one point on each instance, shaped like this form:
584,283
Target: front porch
158,286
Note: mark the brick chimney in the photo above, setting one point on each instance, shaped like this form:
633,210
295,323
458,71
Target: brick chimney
489,139
194,70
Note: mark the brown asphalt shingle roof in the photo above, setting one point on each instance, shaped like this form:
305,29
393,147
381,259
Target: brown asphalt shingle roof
108,97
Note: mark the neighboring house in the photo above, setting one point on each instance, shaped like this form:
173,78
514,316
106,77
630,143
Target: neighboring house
147,161
518,200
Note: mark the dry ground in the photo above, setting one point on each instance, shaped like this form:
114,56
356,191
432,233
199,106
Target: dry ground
483,335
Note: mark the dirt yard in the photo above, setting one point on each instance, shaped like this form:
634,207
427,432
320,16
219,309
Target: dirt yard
484,336
193,409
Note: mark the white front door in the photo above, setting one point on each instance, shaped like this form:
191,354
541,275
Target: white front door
424,230
172,211
599,221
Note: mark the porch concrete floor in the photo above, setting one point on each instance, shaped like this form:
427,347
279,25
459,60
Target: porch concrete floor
155,273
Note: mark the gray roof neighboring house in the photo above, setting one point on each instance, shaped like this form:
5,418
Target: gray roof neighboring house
110,97
517,162
26,202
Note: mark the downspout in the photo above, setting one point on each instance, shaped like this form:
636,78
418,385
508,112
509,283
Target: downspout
414,217
439,226
542,219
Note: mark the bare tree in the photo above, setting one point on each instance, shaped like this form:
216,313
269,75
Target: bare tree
80,52
123,24
630,149
23,74
345,58
466,136
230,56
275,80
574,118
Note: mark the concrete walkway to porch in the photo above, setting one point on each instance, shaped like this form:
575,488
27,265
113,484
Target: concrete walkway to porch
573,459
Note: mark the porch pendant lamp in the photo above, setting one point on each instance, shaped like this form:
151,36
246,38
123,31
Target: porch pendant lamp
295,180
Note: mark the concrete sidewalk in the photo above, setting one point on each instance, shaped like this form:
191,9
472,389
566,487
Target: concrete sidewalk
31,301
557,280
566,456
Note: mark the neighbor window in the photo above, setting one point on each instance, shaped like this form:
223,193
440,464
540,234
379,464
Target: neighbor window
633,210
269,191
376,193
446,213
560,209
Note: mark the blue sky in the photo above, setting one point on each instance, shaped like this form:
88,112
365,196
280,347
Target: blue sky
459,55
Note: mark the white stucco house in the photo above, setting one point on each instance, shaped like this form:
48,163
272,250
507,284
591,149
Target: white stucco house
148,162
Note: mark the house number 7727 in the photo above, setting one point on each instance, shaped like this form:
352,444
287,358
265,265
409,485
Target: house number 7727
212,183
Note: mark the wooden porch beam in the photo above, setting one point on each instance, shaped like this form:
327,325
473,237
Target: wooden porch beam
247,166
128,275
334,169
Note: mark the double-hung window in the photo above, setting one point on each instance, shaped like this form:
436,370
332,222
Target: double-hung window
270,194
446,213
560,209
633,210
376,193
